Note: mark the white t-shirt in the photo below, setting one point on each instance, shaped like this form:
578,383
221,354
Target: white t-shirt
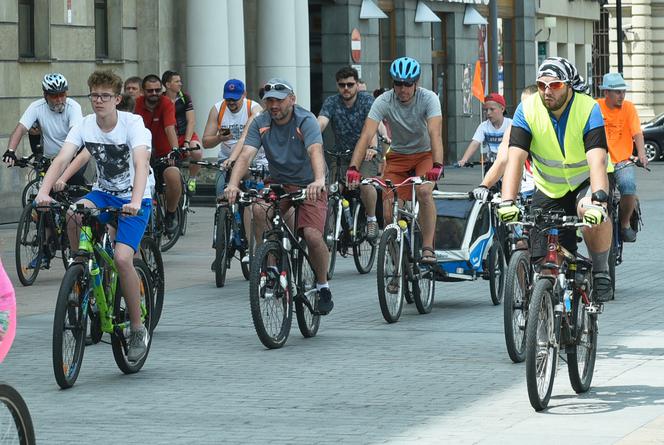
113,151
54,126
489,136
236,123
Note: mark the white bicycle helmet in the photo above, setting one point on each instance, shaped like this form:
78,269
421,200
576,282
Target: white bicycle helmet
54,83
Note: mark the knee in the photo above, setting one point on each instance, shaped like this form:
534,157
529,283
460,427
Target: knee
425,195
124,259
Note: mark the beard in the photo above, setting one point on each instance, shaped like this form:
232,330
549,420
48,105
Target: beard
58,108
557,104
152,100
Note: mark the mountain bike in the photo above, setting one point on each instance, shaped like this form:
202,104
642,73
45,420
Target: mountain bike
38,166
151,254
15,420
399,271
346,222
562,315
282,274
89,292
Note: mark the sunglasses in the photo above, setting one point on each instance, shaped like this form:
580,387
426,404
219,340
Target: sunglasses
553,85
105,97
153,90
276,87
56,95
399,83
348,85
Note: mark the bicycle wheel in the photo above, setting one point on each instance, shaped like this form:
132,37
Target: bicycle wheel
269,295
69,325
424,288
581,355
15,420
364,252
221,246
30,191
28,248
329,235
168,240
121,323
184,209
515,308
541,345
151,255
389,276
306,302
496,264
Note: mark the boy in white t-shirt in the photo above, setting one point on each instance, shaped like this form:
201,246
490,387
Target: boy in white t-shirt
120,144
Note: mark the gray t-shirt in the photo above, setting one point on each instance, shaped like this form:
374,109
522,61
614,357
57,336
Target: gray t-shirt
407,122
286,145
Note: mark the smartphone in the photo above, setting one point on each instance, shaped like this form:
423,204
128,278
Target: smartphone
225,131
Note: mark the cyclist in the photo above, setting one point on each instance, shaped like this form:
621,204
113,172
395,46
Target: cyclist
623,131
158,113
120,145
226,121
132,86
490,132
415,119
563,131
347,111
185,122
293,145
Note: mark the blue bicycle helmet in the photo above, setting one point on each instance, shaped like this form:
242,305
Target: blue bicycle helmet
405,69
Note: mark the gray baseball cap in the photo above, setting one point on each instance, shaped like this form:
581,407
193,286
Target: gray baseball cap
277,89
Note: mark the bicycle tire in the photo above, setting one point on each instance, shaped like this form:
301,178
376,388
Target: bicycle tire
30,191
71,316
267,295
120,337
540,374
515,304
581,355
307,321
329,236
184,208
151,255
496,263
391,303
364,252
424,288
29,245
221,246
19,415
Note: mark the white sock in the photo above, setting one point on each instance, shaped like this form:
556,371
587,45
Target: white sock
320,286
371,218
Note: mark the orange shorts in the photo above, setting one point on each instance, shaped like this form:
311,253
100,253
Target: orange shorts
399,167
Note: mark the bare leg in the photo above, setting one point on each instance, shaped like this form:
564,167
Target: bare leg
129,282
318,253
368,196
173,182
627,206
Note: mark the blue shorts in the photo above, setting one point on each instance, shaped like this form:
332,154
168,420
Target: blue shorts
626,180
130,228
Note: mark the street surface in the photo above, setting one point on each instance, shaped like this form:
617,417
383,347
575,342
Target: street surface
444,377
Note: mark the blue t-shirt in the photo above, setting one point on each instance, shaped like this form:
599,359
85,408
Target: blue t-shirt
595,120
286,145
347,122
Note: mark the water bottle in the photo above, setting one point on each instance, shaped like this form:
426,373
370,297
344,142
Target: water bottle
85,239
96,277
346,211
567,299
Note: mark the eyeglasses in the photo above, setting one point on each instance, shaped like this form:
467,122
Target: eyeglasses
399,83
153,90
276,87
553,85
105,97
348,85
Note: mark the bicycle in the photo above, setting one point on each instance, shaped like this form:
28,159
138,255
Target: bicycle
40,235
282,274
38,166
15,420
561,313
346,222
151,254
89,290
399,271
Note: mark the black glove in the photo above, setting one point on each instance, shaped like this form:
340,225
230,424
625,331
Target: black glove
9,156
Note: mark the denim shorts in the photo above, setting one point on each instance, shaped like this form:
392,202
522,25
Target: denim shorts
626,180
130,228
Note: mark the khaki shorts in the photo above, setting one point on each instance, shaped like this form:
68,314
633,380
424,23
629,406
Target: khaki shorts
310,213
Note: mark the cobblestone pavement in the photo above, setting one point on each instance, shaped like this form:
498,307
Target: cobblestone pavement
438,378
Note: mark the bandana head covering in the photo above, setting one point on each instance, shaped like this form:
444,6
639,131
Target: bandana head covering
562,69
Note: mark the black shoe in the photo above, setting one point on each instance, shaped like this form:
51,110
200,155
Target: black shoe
169,223
602,287
628,235
325,303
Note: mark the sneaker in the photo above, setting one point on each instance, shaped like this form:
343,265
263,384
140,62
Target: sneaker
372,231
138,344
191,185
245,259
325,303
170,224
45,263
602,287
628,235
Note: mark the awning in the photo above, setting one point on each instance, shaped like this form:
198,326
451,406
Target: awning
370,10
472,17
424,14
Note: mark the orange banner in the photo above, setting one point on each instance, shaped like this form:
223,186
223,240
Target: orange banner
478,88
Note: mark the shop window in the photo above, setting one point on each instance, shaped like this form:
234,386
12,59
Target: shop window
33,29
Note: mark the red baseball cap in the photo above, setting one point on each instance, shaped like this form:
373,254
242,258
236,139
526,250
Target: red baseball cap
497,98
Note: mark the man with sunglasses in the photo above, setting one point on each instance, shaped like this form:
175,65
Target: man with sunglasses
563,130
347,111
293,146
415,119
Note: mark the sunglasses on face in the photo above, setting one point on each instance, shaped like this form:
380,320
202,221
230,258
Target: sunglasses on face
553,85
105,97
153,90
398,83
348,85
276,87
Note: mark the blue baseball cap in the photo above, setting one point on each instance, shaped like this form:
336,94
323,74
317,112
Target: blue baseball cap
233,89
613,81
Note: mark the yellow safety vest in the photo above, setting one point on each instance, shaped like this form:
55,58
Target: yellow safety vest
557,174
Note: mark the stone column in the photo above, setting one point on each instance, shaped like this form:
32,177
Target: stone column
640,73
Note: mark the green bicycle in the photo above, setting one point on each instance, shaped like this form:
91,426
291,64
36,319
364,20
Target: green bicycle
90,293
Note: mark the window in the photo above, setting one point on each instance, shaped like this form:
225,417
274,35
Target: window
387,42
101,29
600,54
26,28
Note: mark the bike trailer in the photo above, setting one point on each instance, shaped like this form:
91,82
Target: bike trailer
463,235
